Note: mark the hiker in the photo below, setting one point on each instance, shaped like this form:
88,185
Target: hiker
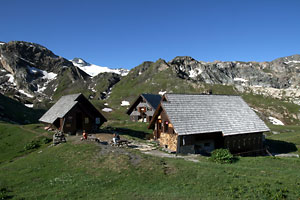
84,134
116,138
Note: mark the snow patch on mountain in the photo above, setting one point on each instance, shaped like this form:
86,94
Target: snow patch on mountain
94,70
26,94
240,79
125,103
11,79
107,110
195,72
292,61
29,105
275,121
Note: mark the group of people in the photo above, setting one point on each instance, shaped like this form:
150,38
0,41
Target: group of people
116,137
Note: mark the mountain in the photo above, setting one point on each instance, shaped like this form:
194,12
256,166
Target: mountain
35,76
94,70
271,88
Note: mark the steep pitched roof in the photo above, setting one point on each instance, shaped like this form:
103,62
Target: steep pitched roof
65,104
60,108
195,114
152,100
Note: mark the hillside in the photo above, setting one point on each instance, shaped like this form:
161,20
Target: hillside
36,77
86,170
32,74
174,77
15,112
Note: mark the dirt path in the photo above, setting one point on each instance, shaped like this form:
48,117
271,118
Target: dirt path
144,147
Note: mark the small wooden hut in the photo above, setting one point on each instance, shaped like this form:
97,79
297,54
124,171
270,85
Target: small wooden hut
143,107
202,123
72,113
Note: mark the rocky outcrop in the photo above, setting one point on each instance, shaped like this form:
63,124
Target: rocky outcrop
268,78
28,69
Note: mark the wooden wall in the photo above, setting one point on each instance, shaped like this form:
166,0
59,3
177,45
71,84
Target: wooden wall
244,142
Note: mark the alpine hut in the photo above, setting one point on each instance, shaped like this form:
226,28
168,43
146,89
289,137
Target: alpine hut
143,107
72,113
201,123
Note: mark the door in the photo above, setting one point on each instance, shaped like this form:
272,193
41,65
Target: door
79,121
204,146
158,128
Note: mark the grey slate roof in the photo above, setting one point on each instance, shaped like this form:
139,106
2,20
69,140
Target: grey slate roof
152,99
135,113
195,114
60,108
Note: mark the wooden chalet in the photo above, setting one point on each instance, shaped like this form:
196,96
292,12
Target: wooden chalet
202,123
72,113
143,107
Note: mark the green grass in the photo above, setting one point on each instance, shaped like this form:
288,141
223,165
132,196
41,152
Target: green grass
12,110
285,139
81,171
13,139
286,109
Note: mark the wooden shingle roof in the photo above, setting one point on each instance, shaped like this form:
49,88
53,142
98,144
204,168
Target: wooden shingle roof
195,114
60,108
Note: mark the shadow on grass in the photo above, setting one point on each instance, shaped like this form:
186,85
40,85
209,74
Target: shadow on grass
277,146
126,131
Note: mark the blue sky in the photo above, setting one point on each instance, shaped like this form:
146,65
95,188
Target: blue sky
124,33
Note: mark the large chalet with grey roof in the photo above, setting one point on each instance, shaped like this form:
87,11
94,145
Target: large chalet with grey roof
201,123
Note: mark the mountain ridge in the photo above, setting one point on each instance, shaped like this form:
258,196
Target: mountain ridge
35,76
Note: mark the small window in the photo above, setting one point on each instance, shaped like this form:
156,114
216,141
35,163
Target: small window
97,120
70,117
86,120
166,127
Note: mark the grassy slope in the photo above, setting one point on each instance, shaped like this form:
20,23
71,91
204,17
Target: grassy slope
154,78
79,171
13,138
17,112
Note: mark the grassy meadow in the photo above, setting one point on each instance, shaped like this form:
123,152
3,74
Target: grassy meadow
83,170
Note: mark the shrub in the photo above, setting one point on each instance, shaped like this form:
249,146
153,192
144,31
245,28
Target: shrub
46,140
222,156
32,145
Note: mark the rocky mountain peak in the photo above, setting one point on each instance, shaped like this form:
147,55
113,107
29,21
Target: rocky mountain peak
80,62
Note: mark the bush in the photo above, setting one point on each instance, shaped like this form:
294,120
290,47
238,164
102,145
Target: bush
32,145
46,140
221,156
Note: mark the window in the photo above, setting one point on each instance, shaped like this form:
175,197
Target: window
166,127
97,120
86,120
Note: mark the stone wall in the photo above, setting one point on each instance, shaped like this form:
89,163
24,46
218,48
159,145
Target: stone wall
168,139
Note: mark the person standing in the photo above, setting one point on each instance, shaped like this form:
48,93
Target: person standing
84,134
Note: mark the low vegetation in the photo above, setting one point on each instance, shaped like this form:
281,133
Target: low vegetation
82,170
221,156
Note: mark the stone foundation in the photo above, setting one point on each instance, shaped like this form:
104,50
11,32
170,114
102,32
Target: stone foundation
169,140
